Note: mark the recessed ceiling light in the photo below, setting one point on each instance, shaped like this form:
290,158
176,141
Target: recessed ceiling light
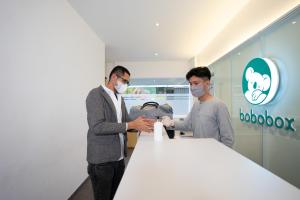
239,53
157,24
294,22
156,54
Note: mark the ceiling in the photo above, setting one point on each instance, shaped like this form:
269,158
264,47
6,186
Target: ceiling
130,32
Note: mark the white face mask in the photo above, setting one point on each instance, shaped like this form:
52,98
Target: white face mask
197,90
121,87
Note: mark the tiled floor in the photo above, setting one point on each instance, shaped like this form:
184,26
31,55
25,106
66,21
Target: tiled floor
85,191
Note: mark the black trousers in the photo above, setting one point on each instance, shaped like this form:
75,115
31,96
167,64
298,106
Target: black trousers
105,178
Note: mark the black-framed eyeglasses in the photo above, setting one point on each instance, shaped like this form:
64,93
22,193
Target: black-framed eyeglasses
124,80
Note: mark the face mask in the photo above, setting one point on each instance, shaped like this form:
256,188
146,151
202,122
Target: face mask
197,91
121,87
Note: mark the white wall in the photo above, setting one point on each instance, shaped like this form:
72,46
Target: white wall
49,60
153,69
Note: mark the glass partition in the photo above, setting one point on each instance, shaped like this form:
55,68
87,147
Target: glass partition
276,147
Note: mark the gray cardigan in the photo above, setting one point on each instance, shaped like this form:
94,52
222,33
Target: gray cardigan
103,142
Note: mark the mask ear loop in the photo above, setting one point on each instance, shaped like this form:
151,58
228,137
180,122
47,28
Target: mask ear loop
211,85
211,88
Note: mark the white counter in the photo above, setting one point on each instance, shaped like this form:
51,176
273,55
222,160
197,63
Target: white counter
188,168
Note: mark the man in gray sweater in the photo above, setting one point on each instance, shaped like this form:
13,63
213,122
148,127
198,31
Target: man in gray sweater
107,139
209,117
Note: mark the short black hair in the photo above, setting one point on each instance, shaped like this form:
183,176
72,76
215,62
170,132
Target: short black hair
201,72
119,70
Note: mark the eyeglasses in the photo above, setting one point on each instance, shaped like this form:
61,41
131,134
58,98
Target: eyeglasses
124,80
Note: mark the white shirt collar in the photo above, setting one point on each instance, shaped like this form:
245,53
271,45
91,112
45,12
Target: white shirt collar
109,91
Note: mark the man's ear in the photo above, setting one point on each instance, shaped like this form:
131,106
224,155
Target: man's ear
113,77
207,84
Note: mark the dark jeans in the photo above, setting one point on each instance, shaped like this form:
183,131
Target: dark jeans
105,178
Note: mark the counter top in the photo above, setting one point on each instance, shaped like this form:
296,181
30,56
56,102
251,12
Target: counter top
188,168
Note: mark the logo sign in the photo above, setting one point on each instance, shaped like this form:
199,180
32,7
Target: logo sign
260,85
260,81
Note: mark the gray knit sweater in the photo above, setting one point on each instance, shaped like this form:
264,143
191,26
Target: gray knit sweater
209,119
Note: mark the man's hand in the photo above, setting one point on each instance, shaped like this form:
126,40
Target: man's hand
142,124
167,121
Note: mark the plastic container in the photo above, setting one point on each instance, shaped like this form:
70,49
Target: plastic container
158,129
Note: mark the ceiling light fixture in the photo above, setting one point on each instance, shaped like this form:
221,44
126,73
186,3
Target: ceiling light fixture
156,54
294,22
157,24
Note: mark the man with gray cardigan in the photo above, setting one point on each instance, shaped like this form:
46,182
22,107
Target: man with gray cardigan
107,139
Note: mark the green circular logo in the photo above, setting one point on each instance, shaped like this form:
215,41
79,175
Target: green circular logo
260,81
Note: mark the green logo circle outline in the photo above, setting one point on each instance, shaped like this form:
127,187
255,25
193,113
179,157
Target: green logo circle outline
260,66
